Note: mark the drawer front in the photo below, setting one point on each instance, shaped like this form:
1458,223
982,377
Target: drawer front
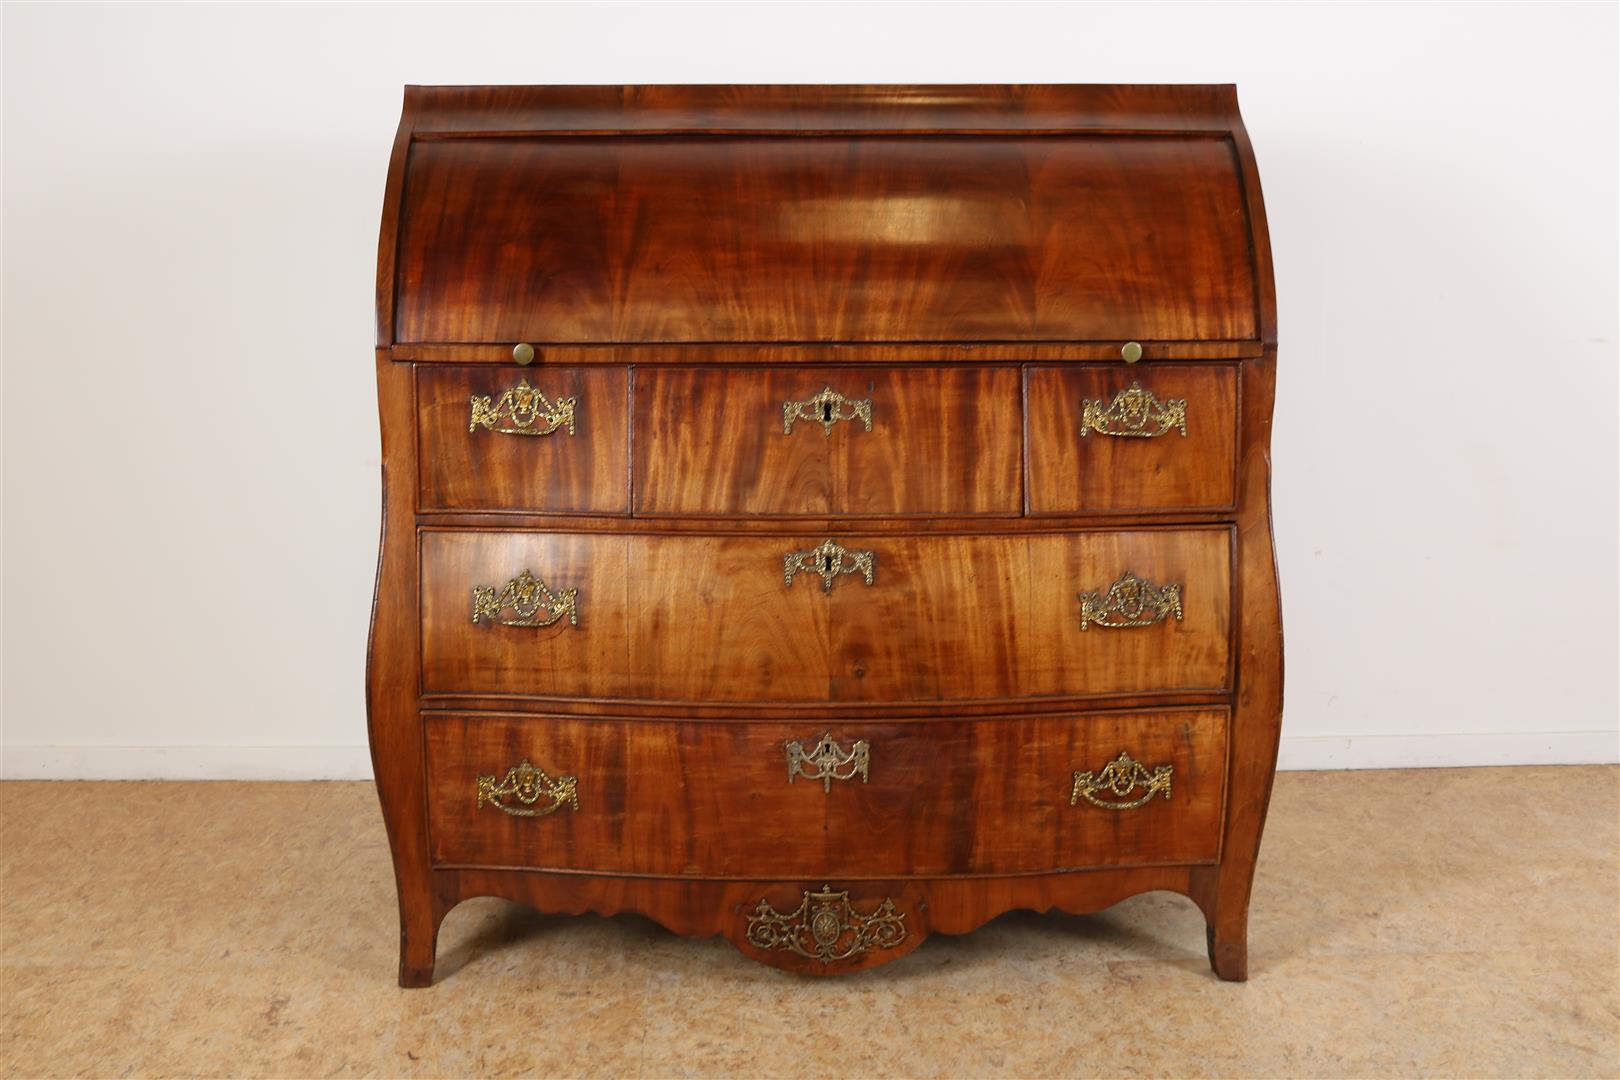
930,798
543,440
1120,438
817,442
712,618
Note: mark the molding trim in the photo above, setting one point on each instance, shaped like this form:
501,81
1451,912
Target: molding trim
185,763
1450,750
1298,752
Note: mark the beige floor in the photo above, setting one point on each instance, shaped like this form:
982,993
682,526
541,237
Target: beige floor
1446,922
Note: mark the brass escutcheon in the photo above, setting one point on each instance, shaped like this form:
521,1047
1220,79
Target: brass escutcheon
826,927
827,560
826,761
1119,778
522,410
1133,413
531,602
1130,601
826,408
528,784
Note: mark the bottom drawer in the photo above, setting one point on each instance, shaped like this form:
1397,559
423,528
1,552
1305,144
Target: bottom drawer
872,799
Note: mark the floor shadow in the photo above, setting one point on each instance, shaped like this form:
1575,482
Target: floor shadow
487,925
1152,927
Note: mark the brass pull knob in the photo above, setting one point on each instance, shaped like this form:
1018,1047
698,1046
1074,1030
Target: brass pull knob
1130,601
1134,413
826,761
1119,778
522,410
527,785
528,599
523,352
826,409
1130,351
827,561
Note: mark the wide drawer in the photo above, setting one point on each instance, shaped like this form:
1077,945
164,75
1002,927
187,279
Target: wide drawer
998,796
827,441
794,618
1117,438
543,440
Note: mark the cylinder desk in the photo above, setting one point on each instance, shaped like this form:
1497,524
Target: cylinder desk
824,516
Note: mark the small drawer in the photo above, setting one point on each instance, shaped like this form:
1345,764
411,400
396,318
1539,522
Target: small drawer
784,442
795,618
830,799
1117,438
541,440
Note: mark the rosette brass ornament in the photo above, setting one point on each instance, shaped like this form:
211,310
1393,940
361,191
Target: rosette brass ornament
826,927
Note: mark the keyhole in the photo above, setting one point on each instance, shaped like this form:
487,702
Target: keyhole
826,412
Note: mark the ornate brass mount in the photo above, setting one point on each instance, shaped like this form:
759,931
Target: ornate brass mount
826,409
826,761
825,927
1130,601
827,561
522,410
1119,778
1130,414
528,785
531,603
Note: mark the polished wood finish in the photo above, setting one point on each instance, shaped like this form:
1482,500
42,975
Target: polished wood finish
583,471
941,798
454,112
711,441
910,353
1069,473
1223,892
685,259
874,238
947,618
715,908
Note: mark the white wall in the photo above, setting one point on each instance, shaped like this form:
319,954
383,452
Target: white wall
190,435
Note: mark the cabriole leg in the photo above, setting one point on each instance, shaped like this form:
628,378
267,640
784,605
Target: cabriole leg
418,942
1229,951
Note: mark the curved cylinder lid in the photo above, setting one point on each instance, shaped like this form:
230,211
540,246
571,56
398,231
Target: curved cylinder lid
643,215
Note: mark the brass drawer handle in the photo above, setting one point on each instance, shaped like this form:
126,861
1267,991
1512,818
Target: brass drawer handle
522,410
826,927
1119,778
528,785
827,561
529,600
826,409
1130,601
1131,412
826,761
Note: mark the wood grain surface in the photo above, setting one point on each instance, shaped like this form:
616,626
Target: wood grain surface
586,470
1070,473
709,618
940,798
711,441
970,259
596,239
